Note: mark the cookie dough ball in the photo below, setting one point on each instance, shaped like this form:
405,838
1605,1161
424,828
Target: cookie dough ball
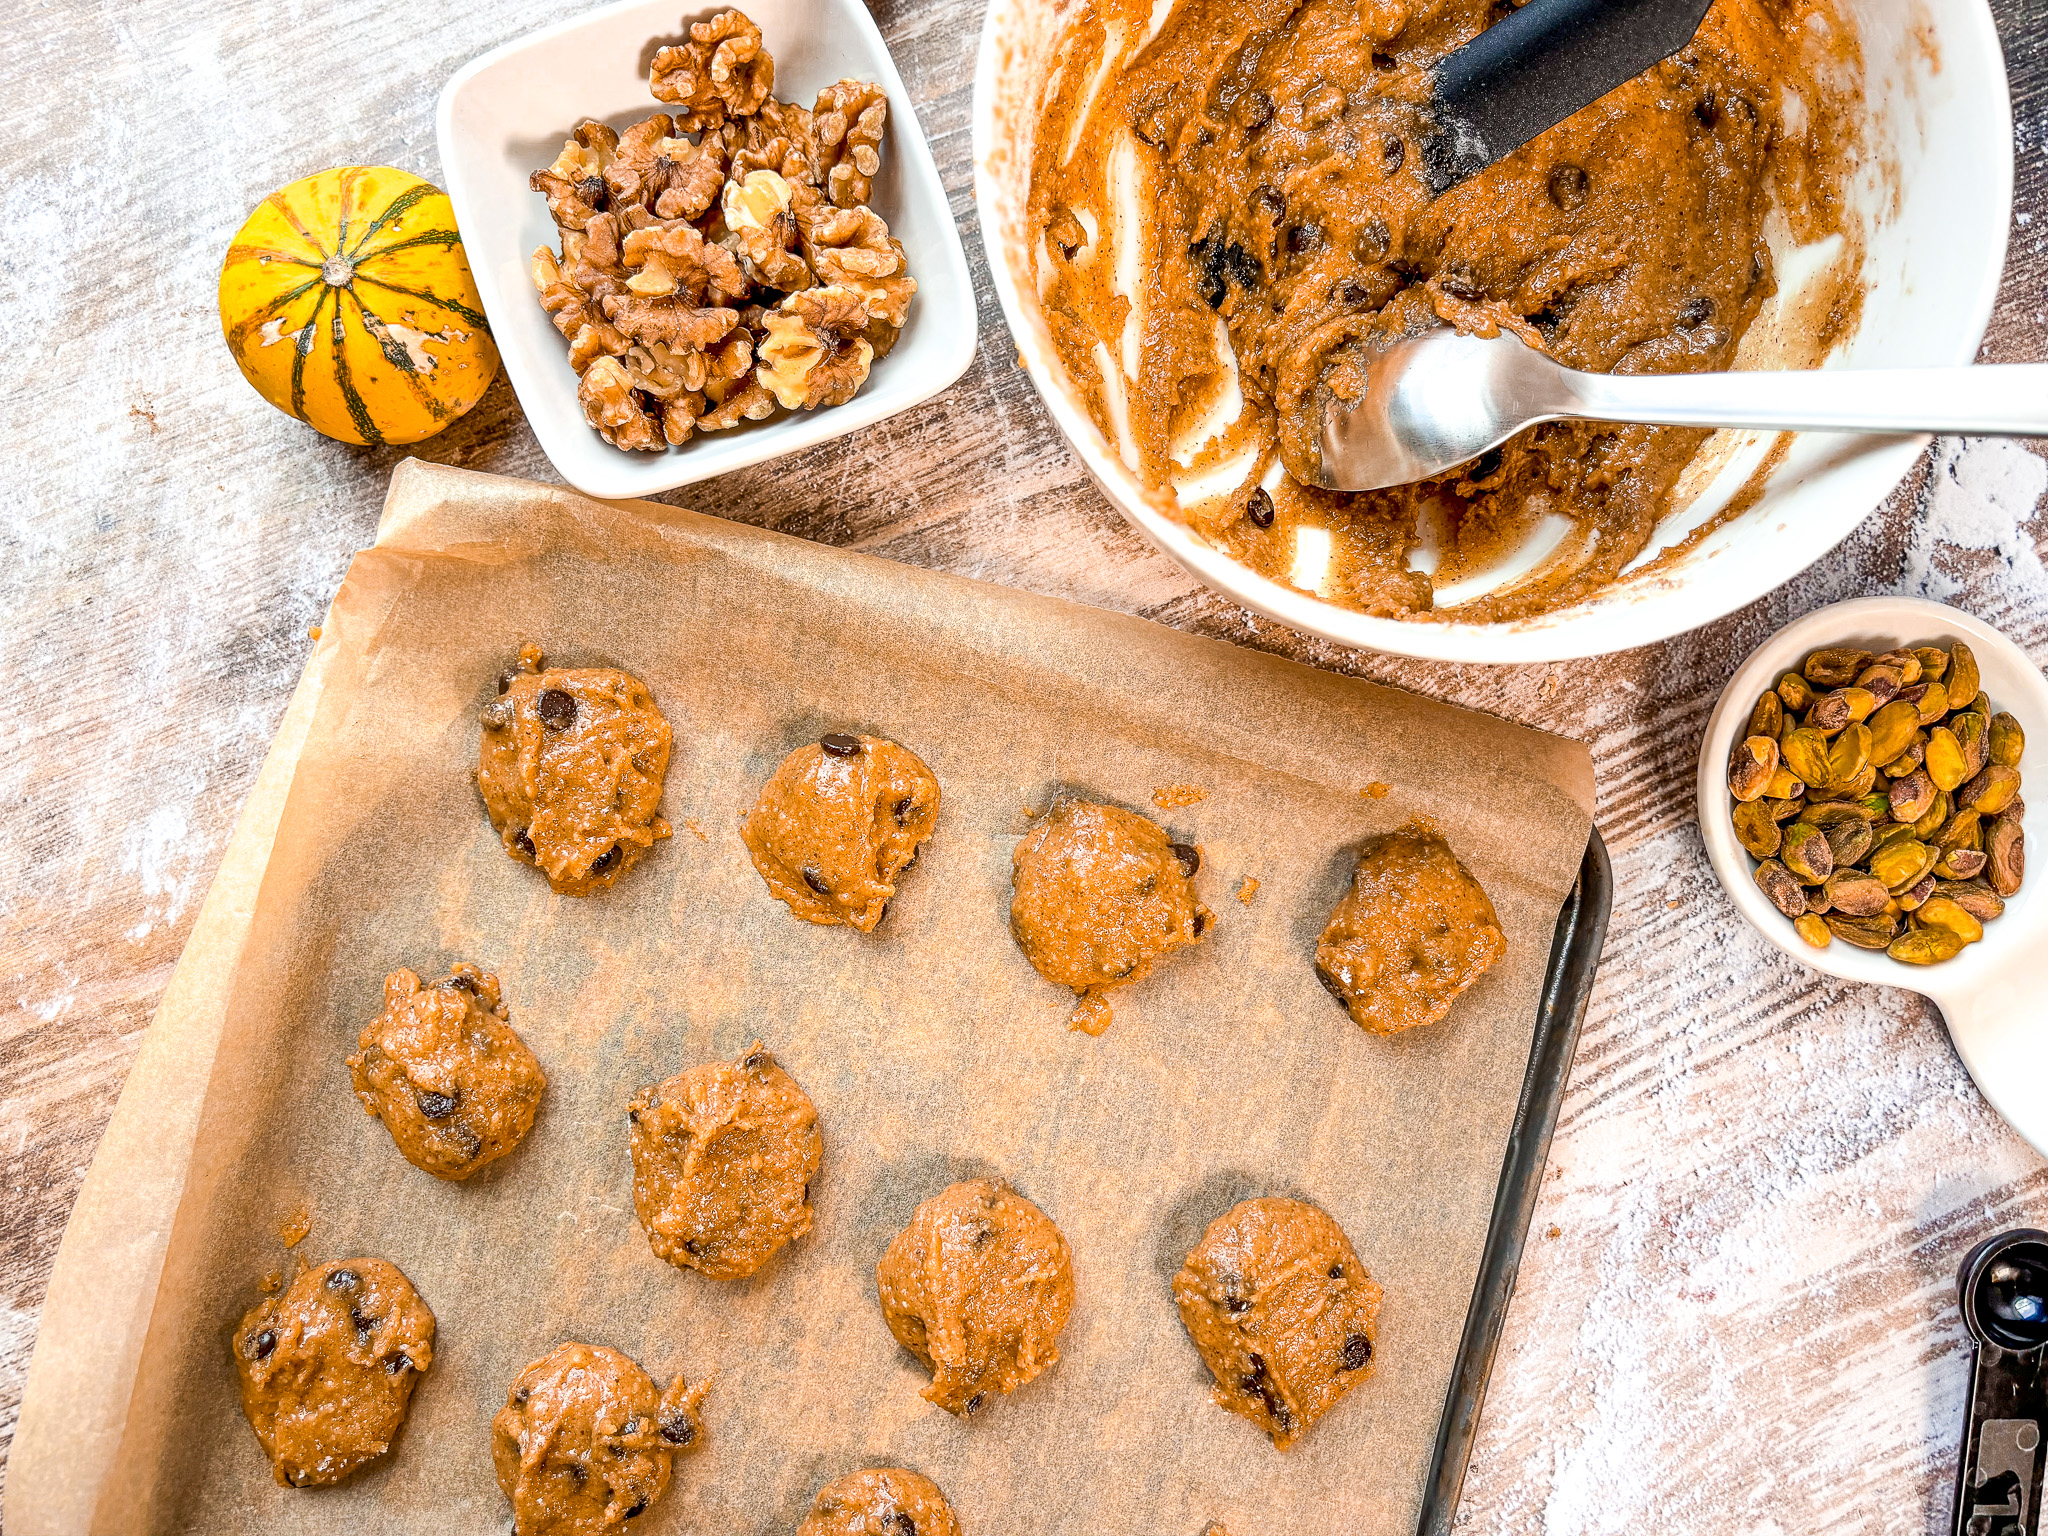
571,768
978,1287
328,1367
882,1501
586,1442
1099,896
444,1071
723,1158
1414,931
1282,1312
837,823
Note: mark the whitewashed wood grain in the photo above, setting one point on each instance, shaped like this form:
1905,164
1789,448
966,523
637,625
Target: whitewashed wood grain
1763,1179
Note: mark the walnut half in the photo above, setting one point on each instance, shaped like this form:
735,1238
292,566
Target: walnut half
722,71
847,128
757,212
616,409
852,248
815,351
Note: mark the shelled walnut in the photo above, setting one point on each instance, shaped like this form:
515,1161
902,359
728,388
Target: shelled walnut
719,262
815,353
847,126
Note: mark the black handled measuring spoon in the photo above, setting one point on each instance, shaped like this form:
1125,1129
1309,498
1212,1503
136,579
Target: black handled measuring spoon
1537,66
2003,1290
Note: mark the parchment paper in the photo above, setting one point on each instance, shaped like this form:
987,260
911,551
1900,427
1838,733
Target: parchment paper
932,1049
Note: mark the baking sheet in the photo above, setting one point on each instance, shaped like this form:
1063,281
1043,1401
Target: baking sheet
931,1048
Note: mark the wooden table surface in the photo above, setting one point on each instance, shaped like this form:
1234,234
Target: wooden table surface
1736,1313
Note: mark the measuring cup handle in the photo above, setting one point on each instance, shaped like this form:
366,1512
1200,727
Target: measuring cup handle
1999,1024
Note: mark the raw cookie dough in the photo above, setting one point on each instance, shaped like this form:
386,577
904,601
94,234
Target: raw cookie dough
1414,931
1282,1312
585,1441
328,1367
1275,149
837,823
1099,896
882,1501
978,1287
444,1071
723,1158
570,768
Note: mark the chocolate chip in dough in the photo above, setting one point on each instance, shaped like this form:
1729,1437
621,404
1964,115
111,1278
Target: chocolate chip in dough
678,1430
435,1106
557,709
1190,858
840,746
342,1280
524,844
1568,185
816,881
1304,238
262,1344
1392,153
1260,508
1357,1350
1695,312
607,861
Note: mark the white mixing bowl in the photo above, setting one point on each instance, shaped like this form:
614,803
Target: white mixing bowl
1935,197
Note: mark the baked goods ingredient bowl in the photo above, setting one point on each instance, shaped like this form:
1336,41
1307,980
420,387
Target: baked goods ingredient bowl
1933,192
1992,995
504,115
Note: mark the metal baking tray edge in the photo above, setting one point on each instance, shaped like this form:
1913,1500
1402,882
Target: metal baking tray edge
1567,987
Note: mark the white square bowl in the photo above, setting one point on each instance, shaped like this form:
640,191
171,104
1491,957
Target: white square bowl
503,116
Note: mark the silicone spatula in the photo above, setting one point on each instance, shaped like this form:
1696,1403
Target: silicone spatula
1536,67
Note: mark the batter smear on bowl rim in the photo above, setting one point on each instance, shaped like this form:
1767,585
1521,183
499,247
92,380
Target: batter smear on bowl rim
1229,194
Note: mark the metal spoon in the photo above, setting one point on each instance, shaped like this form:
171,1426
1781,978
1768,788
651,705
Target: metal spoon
1434,401
2003,1289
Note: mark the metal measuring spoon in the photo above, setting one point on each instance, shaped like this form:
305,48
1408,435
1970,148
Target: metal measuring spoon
1428,403
2003,1290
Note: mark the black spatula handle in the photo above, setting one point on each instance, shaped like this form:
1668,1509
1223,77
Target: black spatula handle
1536,67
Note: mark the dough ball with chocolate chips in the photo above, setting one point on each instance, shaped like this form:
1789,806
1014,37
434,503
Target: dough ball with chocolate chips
442,1068
1413,932
723,1158
1099,896
586,1441
978,1287
882,1501
837,823
571,768
328,1367
1282,1312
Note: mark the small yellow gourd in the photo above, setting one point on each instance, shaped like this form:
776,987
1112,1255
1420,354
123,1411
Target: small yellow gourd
347,301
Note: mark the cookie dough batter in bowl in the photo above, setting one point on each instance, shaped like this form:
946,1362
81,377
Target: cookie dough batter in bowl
1185,202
